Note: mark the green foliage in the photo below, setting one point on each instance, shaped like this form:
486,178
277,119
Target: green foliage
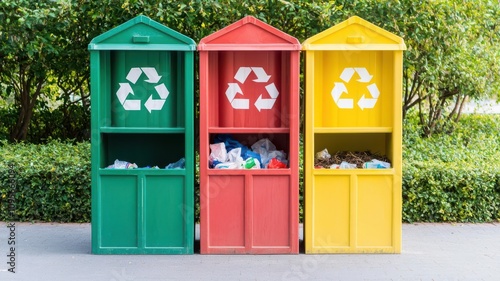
32,39
70,122
453,177
48,182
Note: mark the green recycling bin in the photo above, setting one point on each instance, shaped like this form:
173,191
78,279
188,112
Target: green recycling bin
142,140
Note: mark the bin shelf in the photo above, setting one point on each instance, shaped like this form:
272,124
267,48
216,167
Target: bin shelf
142,130
143,171
335,130
343,172
239,130
267,172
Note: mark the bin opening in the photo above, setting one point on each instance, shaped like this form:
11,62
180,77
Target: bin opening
248,151
145,150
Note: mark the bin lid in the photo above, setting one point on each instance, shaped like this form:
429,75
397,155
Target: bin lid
249,34
354,34
142,33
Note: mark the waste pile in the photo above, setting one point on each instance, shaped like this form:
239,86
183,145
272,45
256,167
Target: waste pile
228,153
120,164
350,160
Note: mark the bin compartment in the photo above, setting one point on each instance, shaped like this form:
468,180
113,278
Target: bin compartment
281,141
376,143
142,149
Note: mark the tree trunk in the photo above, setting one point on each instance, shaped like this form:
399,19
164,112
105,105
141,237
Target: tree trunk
27,104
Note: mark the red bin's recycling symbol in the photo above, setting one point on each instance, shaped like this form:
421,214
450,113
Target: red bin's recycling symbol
152,78
364,102
241,76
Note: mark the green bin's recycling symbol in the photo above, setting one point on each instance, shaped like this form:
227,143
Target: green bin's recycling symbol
340,88
152,78
262,77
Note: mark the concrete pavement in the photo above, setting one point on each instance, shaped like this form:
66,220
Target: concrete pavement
52,251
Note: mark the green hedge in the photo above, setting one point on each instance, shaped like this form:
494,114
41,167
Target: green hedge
450,192
48,182
446,178
453,177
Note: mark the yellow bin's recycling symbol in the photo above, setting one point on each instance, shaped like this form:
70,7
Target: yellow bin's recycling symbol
152,78
364,102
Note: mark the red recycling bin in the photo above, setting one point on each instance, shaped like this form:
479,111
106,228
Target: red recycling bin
249,140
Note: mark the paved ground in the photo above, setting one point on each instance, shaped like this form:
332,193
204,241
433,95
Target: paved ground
430,252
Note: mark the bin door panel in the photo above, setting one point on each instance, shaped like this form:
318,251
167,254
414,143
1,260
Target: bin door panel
271,211
331,211
375,213
226,211
164,211
118,207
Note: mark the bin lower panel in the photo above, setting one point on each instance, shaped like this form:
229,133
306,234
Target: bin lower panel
247,214
142,213
351,214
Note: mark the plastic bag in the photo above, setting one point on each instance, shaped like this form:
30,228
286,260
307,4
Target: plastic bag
234,155
346,165
122,165
335,166
323,155
247,153
181,164
278,154
252,163
228,141
227,165
264,147
218,152
376,164
276,164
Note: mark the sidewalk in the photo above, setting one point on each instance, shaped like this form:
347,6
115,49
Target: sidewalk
51,251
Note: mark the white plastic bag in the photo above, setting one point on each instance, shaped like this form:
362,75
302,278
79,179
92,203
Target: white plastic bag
346,165
218,152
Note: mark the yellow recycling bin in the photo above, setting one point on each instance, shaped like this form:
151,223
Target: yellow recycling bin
353,106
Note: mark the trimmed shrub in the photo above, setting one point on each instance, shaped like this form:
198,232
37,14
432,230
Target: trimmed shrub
48,182
453,177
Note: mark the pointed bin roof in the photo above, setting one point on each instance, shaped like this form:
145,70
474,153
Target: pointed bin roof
249,34
353,34
142,33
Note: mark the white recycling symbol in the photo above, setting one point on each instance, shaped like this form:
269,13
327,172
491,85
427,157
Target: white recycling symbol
153,78
340,88
262,77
